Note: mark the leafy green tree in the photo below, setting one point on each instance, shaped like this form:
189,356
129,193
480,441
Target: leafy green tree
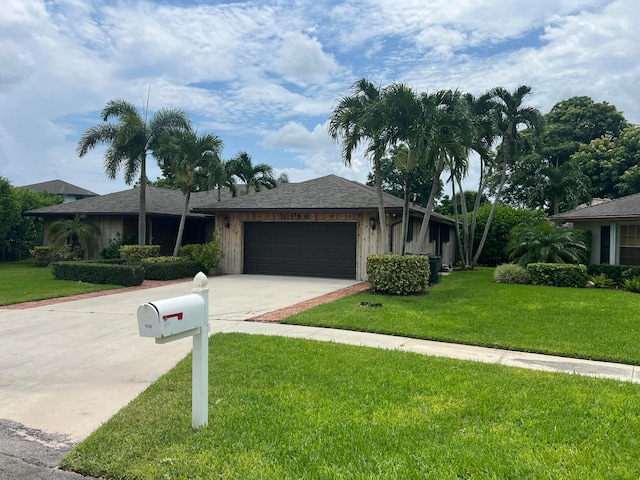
9,212
74,232
283,178
505,219
612,164
256,176
129,141
570,123
547,243
358,119
446,207
188,155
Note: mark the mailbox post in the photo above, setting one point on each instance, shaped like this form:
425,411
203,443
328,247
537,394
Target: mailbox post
180,317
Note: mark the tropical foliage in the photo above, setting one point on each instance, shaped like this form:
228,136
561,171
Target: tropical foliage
546,243
188,156
74,232
254,176
130,138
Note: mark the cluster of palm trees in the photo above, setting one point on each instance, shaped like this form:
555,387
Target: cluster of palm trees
190,159
440,129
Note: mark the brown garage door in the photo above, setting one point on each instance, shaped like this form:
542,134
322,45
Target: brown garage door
300,249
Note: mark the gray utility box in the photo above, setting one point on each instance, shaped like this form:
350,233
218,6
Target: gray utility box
173,316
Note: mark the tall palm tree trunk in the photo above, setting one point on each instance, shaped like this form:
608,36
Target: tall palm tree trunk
183,220
142,215
406,218
503,180
432,198
464,241
381,214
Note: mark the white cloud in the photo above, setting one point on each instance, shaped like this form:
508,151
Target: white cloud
301,60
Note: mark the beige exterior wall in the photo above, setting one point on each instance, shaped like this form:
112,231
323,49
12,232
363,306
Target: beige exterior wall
368,242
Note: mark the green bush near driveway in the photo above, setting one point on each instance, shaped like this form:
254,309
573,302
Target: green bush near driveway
398,274
170,268
139,251
127,275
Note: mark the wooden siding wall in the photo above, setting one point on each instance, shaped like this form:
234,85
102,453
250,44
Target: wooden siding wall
368,240
448,248
108,226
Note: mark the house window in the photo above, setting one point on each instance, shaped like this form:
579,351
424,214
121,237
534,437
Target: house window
605,243
630,244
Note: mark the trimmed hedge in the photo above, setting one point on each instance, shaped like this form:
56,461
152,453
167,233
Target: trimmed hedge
103,273
617,273
558,274
398,274
139,251
177,267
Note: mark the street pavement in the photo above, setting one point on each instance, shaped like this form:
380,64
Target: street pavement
67,368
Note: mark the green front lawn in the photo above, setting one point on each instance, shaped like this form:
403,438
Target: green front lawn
283,408
467,307
22,282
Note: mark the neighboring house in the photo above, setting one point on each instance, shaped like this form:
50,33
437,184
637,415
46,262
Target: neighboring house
69,192
324,227
118,213
614,227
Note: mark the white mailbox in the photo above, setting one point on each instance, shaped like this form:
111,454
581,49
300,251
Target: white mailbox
171,317
181,317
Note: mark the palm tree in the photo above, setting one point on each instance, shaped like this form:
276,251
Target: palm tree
546,243
253,176
188,155
129,140
74,232
484,134
358,118
509,115
449,130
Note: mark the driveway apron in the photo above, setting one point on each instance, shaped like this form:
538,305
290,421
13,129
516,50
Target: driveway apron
66,368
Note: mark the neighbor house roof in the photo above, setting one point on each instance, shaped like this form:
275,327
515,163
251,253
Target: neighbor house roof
60,187
325,194
159,202
625,208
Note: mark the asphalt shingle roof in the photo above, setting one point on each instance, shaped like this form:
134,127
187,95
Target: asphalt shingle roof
619,209
160,201
324,194
60,187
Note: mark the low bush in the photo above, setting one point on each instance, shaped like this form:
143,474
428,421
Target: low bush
209,254
398,274
102,273
617,273
139,251
44,256
632,284
558,274
170,268
601,281
511,273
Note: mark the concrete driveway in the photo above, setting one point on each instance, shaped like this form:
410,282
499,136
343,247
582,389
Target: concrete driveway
67,368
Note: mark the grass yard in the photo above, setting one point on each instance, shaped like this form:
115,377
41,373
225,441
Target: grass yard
467,307
22,282
282,408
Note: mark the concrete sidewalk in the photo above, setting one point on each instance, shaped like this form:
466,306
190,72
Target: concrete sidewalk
534,361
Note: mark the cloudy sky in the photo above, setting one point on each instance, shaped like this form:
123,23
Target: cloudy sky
264,75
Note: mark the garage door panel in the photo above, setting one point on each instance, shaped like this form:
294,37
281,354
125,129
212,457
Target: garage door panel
304,249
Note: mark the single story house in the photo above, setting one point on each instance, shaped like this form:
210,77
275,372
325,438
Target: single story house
325,227
614,227
69,192
118,213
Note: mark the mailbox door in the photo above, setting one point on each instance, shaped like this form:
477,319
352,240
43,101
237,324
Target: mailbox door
148,321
